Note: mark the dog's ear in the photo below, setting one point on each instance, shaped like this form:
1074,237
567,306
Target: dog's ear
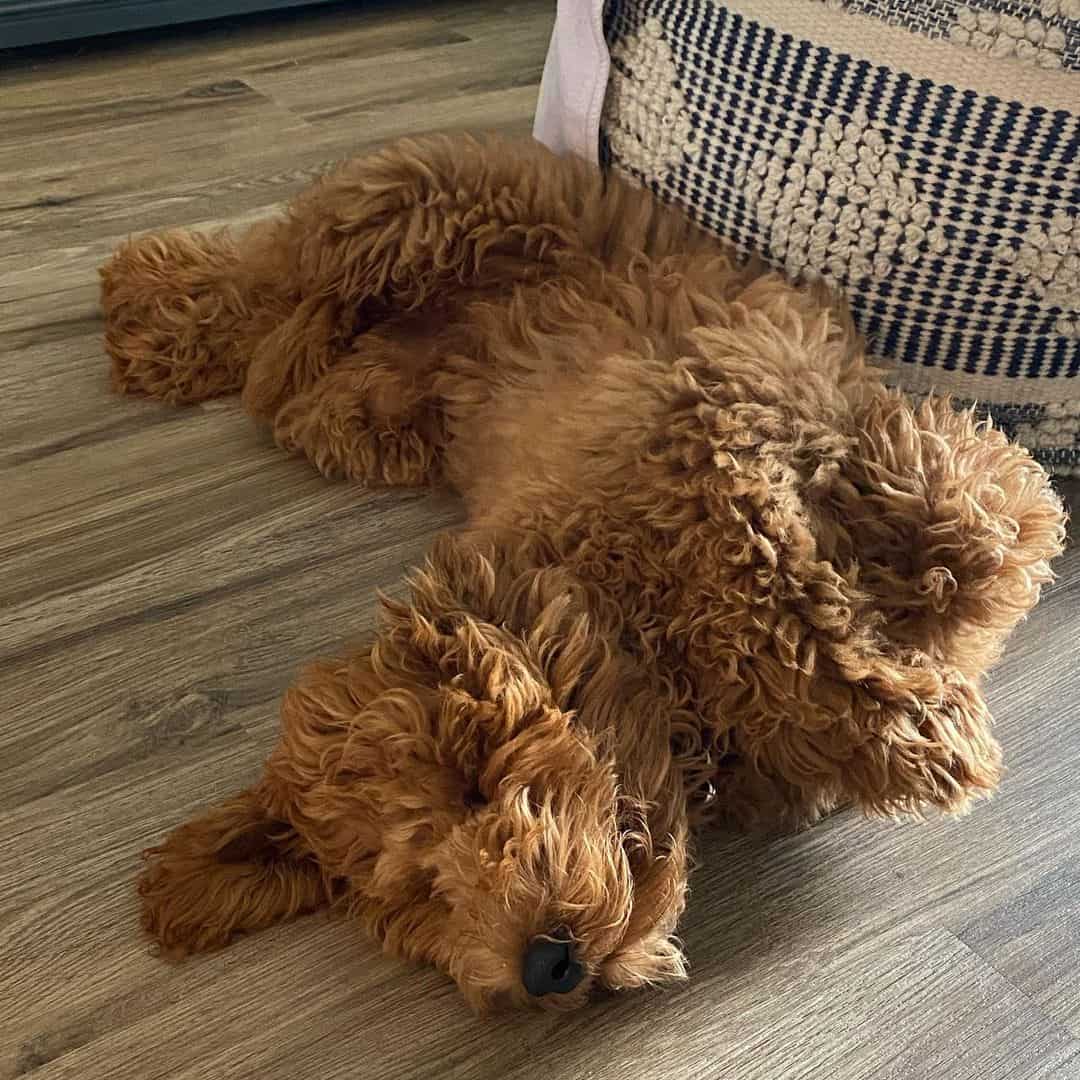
919,734
503,647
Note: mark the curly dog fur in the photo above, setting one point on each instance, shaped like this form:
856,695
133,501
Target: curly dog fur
712,564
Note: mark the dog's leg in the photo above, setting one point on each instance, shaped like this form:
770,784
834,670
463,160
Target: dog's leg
921,738
370,419
236,869
884,726
420,219
953,527
183,310
272,311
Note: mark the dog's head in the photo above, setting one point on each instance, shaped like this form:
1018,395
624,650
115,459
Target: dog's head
526,826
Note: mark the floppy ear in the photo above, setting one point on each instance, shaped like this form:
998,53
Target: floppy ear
920,734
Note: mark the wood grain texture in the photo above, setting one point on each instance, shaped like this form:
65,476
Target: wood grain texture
165,573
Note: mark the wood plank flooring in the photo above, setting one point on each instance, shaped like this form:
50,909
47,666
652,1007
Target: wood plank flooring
165,572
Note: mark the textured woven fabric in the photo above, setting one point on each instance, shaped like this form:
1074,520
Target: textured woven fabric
1045,34
932,176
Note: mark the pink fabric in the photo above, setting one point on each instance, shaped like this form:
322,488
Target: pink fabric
574,80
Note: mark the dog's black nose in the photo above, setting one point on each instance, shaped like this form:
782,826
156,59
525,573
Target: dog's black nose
550,967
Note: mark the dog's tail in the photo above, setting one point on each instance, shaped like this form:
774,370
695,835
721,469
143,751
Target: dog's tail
184,309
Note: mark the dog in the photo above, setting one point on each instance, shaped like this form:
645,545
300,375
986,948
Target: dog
713,567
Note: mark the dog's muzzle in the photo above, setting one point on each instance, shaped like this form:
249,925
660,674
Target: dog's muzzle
549,966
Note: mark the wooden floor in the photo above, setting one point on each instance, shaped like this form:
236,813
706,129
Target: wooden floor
164,573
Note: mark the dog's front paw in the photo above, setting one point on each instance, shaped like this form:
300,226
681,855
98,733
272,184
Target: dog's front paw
174,890
232,871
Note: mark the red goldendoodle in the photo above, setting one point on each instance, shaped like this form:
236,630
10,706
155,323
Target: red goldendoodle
712,564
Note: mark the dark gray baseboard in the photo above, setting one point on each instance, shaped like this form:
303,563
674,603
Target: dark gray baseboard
35,22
